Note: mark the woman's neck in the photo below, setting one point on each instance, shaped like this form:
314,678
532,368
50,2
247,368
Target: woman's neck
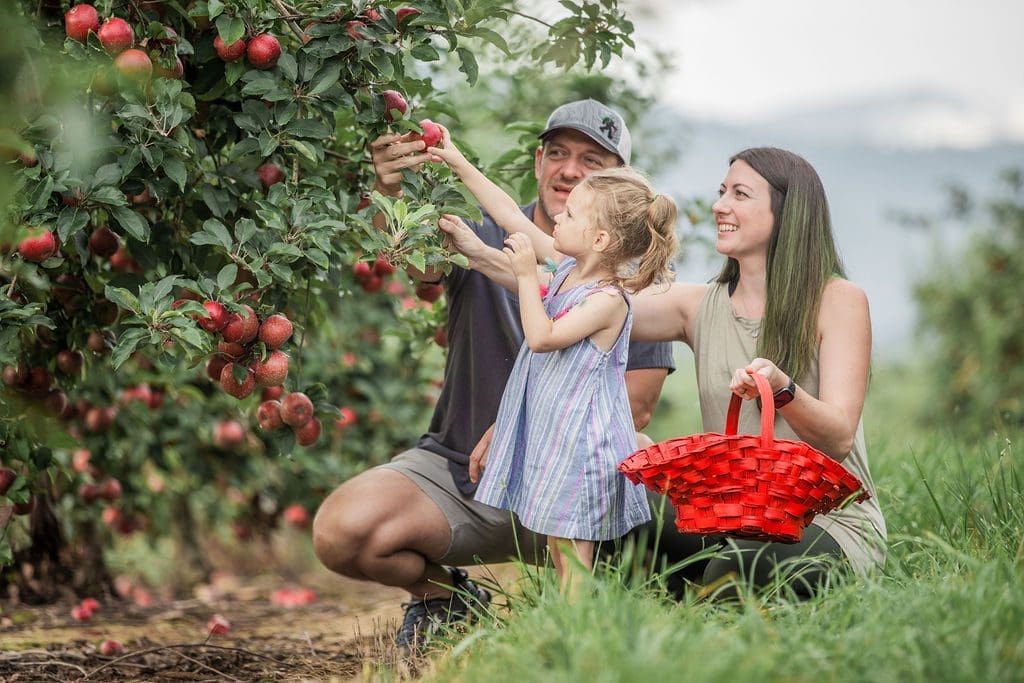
751,293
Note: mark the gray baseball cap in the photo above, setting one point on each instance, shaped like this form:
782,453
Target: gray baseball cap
602,124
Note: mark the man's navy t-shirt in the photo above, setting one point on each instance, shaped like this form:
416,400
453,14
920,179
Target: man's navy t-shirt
484,336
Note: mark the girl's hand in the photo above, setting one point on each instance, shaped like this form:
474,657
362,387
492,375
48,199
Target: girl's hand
391,153
743,385
521,255
447,151
460,237
478,458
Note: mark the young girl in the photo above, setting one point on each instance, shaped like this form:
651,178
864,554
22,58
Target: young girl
564,421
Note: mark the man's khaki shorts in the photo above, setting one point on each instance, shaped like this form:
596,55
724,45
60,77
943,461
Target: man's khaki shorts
481,534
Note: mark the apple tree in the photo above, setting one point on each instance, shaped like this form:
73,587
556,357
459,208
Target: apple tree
200,328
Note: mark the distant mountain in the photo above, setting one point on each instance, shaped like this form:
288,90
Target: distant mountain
868,183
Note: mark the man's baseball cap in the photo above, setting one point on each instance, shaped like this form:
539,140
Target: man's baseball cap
602,124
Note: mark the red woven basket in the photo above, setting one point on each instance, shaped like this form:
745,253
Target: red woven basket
744,485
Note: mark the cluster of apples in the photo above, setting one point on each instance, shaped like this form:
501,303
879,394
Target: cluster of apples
118,38
294,410
262,50
354,27
237,366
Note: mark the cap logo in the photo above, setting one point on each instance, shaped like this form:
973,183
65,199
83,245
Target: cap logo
609,128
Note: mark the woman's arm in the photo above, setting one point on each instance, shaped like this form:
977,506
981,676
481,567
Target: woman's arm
600,314
503,209
828,422
666,313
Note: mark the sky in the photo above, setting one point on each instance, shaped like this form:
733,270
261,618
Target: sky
740,61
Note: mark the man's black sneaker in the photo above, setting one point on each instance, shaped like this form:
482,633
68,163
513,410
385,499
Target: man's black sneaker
425,618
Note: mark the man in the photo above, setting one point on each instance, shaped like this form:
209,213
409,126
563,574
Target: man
401,523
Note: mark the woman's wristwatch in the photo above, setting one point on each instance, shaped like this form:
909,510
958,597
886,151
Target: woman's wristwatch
786,394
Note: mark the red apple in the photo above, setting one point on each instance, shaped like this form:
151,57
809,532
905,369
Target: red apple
273,371
214,366
431,135
362,270
296,515
373,283
383,267
109,648
275,331
110,489
218,625
134,64
104,242
216,316
371,14
269,415
429,291
79,20
263,51
232,350
347,419
38,247
229,53
7,477
110,515
353,30
404,13
228,435
269,174
394,100
80,460
272,393
307,434
79,613
296,409
70,362
232,387
441,337
241,328
116,35
91,604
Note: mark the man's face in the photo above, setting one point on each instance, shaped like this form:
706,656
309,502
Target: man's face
566,157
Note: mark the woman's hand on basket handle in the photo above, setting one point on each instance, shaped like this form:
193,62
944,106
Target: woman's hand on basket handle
742,383
478,458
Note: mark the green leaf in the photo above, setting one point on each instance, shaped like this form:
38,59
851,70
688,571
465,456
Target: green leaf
214,8
164,287
218,232
230,29
226,276
133,223
325,78
417,261
245,228
233,71
469,65
424,52
126,346
305,149
108,174
122,297
459,260
175,170
318,258
286,62
70,221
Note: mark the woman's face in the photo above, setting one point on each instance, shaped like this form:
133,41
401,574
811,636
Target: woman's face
743,212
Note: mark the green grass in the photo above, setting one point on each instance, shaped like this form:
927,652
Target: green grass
948,605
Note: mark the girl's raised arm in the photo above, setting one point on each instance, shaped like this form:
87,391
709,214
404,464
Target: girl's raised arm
497,202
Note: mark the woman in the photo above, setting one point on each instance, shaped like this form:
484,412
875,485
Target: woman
782,307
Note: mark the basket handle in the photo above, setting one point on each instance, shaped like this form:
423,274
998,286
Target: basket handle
732,420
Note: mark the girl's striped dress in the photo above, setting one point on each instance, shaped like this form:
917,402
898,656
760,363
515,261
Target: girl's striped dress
563,426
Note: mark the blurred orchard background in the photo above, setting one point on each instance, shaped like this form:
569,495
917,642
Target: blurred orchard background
201,333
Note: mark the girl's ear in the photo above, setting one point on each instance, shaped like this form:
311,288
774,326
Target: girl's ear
601,240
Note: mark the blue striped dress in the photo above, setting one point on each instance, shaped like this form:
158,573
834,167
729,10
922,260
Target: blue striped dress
563,426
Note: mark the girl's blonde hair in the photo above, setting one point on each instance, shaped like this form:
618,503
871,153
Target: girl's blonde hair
641,224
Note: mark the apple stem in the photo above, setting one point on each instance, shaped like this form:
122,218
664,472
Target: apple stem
285,13
10,290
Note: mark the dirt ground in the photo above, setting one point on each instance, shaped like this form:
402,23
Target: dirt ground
345,634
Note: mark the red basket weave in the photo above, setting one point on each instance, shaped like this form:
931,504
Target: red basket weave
744,485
